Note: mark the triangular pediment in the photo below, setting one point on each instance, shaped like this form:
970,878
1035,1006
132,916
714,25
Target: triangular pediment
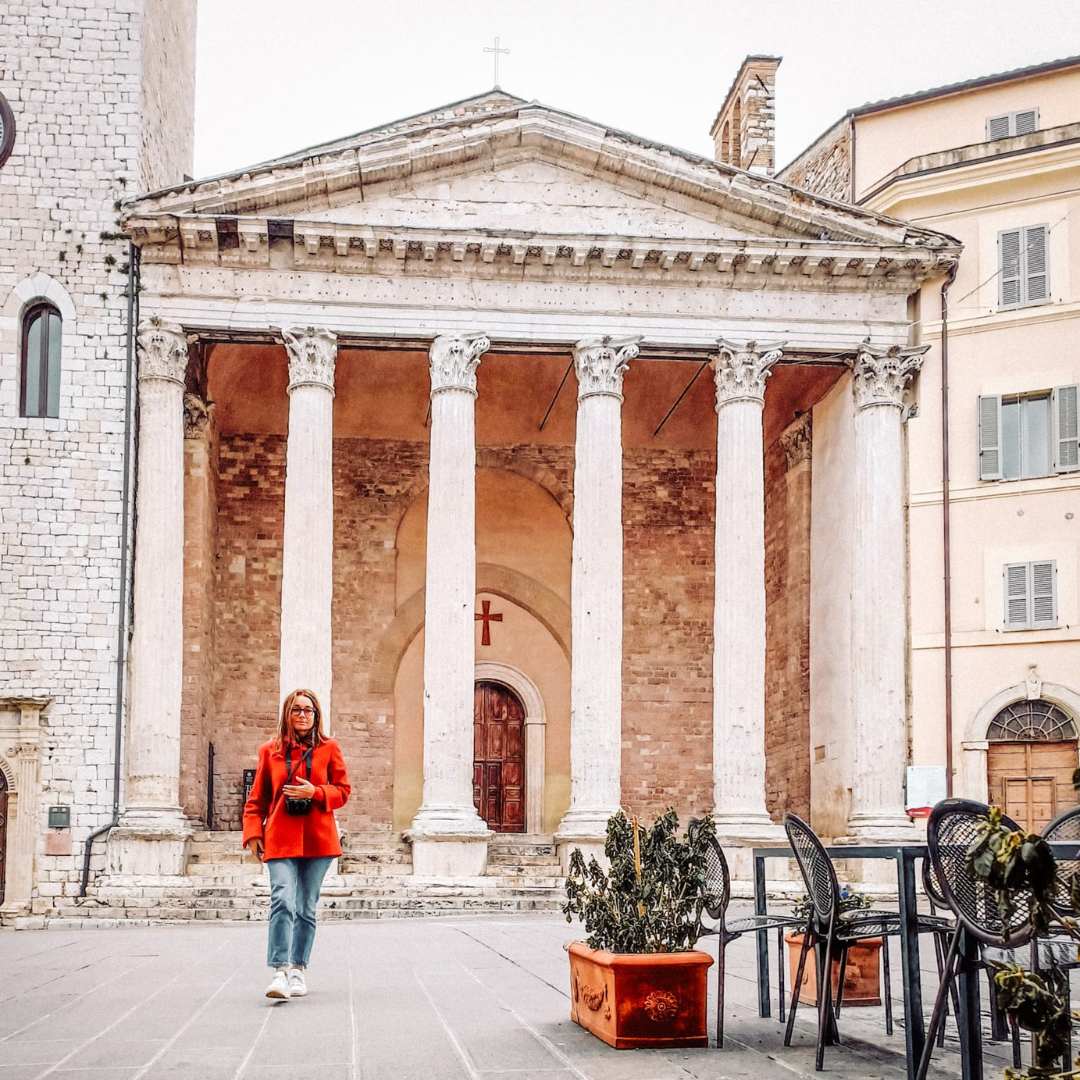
497,163
526,195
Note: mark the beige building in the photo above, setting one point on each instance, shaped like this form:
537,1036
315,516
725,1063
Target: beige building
993,468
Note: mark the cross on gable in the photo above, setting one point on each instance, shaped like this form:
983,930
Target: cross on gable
487,618
497,52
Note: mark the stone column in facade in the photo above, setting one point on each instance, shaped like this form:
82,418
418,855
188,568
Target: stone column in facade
449,838
740,372
308,548
153,833
879,596
20,763
596,597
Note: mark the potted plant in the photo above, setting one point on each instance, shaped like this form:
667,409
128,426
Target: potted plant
862,974
636,980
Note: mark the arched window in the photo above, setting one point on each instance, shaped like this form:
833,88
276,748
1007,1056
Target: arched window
1031,721
40,351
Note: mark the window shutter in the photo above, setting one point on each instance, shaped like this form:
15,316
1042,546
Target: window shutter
1066,429
990,437
1027,121
997,127
1009,267
1016,596
1035,279
1044,594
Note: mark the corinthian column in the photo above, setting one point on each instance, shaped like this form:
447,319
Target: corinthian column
879,604
153,835
307,570
740,372
596,596
449,837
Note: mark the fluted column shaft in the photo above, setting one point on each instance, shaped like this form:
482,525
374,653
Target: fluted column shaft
596,590
739,606
307,581
879,605
450,597
152,778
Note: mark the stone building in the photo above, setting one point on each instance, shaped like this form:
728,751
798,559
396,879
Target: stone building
567,467
995,679
96,104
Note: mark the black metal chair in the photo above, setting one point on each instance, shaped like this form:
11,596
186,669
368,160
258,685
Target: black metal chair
714,903
832,932
952,830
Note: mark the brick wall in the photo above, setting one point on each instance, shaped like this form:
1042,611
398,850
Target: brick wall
668,507
787,619
73,74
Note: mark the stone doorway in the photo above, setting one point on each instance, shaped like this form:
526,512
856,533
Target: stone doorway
499,757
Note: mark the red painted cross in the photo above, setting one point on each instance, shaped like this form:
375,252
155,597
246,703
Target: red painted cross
487,619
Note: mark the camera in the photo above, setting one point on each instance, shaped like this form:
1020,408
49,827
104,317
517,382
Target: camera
297,807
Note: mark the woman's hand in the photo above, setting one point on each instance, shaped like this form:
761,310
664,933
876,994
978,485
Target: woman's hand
255,846
302,789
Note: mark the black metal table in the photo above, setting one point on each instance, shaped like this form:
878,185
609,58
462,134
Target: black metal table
905,856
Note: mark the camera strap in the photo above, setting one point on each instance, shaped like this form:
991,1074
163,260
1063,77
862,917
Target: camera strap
290,774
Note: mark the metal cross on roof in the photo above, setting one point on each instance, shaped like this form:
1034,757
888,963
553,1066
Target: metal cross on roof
496,51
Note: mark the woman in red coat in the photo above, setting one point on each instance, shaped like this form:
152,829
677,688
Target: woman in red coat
289,824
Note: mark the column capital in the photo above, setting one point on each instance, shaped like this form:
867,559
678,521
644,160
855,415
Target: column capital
197,416
163,351
601,362
312,356
740,371
882,373
795,442
454,358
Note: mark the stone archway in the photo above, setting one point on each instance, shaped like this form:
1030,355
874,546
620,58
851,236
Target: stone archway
974,750
535,734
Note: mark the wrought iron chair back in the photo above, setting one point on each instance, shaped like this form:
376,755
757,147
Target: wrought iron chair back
818,872
932,887
717,891
954,827
1066,826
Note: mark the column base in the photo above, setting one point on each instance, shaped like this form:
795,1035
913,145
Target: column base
448,842
739,834
149,843
585,829
884,828
451,856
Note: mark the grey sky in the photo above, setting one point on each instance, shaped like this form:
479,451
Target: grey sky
277,75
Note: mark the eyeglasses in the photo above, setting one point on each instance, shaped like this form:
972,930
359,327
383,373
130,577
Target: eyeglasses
302,710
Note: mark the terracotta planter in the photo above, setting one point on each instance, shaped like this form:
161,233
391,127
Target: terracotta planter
862,977
630,1000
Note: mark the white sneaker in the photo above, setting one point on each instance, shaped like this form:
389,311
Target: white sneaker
297,986
279,986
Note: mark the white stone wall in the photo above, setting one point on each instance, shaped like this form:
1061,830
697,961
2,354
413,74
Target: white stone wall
90,130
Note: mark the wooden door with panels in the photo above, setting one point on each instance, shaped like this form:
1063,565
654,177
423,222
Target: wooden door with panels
1030,762
499,757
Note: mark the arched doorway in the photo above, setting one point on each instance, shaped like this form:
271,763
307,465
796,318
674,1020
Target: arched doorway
1031,757
3,830
499,756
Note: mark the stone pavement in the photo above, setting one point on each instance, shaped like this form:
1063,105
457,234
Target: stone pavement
481,998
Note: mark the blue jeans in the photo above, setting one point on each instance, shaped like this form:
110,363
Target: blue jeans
294,894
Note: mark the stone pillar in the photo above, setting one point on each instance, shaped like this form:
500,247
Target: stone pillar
740,372
153,834
22,759
448,836
307,581
596,597
879,594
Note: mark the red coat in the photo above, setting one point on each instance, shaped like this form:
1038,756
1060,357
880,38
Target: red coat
289,835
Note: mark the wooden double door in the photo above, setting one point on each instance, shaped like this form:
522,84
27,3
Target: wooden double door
499,757
1032,781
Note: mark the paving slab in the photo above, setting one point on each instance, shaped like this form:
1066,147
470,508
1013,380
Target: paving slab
463,998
